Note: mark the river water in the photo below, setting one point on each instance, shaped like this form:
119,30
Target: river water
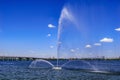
19,70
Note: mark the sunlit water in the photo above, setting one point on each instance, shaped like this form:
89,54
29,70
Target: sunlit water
19,70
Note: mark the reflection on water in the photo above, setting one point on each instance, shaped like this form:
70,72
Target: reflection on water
18,70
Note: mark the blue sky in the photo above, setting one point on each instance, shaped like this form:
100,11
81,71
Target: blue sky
29,28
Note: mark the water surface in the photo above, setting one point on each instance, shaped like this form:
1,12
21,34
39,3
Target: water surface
18,70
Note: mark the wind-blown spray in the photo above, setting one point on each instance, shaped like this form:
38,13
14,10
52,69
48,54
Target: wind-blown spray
65,15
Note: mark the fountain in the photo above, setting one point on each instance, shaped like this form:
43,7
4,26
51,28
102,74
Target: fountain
66,17
78,64
41,64
66,47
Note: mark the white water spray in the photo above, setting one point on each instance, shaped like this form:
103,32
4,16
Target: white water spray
65,15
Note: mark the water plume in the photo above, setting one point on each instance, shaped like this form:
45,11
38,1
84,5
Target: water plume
65,15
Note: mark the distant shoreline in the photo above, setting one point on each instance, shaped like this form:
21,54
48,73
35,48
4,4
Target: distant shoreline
9,58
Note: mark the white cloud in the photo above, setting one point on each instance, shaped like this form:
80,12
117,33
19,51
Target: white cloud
97,44
51,46
72,50
51,26
106,40
48,35
88,46
117,29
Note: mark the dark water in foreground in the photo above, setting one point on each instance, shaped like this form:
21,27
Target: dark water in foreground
18,70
